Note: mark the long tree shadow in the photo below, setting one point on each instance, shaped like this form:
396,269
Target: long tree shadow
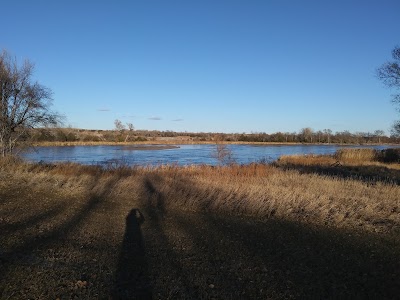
132,279
33,220
363,173
273,258
165,262
290,259
15,256
30,249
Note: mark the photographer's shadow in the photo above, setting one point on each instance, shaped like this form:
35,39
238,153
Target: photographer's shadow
132,280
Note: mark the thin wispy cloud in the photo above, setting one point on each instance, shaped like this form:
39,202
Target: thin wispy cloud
177,120
155,118
103,109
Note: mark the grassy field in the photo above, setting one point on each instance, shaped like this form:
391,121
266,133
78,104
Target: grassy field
304,227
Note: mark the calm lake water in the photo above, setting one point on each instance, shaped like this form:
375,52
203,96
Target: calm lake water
183,155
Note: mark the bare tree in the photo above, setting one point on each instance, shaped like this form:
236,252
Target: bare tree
328,133
389,74
24,104
119,126
221,152
307,134
130,126
395,132
379,134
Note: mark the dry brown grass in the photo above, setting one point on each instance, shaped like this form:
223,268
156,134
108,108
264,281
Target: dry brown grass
388,158
347,157
256,190
351,164
355,155
265,231
307,160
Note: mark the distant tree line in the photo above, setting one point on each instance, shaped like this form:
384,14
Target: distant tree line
305,136
326,136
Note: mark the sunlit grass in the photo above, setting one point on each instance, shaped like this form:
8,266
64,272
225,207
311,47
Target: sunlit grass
259,190
65,231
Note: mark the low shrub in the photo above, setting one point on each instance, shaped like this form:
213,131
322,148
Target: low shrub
391,155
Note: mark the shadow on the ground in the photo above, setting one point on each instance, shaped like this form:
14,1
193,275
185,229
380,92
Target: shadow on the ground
205,255
369,174
176,254
165,263
45,229
33,220
132,281
38,240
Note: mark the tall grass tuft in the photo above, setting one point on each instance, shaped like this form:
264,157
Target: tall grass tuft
307,160
355,155
391,155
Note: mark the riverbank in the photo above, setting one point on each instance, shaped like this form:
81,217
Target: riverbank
257,231
162,142
178,142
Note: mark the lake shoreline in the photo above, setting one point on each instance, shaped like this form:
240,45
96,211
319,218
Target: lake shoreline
178,142
145,147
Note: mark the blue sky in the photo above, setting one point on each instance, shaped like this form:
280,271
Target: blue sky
219,66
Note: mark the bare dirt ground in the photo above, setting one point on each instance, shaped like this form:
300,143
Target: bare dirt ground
61,242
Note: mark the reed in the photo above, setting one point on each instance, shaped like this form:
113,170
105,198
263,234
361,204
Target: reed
258,190
307,159
390,157
356,155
